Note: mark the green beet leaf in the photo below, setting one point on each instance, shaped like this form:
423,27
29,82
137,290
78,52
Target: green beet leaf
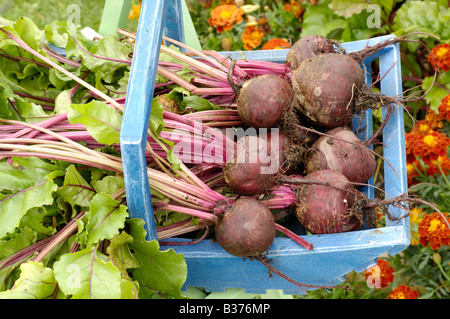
35,282
129,289
30,162
6,110
31,78
156,117
29,112
102,121
29,32
63,102
108,184
21,190
163,272
190,102
105,218
9,274
22,238
75,190
39,219
119,253
87,274
104,57
156,126
22,110
58,33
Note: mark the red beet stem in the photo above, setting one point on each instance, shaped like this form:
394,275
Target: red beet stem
294,236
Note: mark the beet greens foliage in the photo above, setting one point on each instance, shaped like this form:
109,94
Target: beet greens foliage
64,227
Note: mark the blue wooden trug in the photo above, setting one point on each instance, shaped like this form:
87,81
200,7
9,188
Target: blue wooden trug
209,266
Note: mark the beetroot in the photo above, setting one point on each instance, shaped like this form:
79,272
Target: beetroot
325,204
259,158
263,100
247,229
250,171
308,47
345,153
326,87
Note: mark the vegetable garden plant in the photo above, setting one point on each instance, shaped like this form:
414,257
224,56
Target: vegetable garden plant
64,227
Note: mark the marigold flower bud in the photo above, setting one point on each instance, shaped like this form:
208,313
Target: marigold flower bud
437,258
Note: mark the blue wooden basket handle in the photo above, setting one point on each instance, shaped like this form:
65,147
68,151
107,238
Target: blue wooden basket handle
157,16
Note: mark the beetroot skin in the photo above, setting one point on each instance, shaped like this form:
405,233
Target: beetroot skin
247,229
356,162
323,209
306,48
247,174
326,87
263,100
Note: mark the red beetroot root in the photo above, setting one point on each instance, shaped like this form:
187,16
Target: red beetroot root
345,153
308,47
263,100
326,87
250,172
247,229
326,206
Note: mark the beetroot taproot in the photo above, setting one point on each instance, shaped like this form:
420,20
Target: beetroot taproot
326,87
250,171
341,150
247,229
307,47
259,158
325,203
263,100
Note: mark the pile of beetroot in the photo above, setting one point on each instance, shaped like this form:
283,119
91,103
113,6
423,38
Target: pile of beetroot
320,98
304,112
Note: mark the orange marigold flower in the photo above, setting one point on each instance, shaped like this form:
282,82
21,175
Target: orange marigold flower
433,120
135,11
252,36
275,44
430,146
410,144
223,17
379,275
403,292
294,7
421,126
441,54
434,230
433,168
444,108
